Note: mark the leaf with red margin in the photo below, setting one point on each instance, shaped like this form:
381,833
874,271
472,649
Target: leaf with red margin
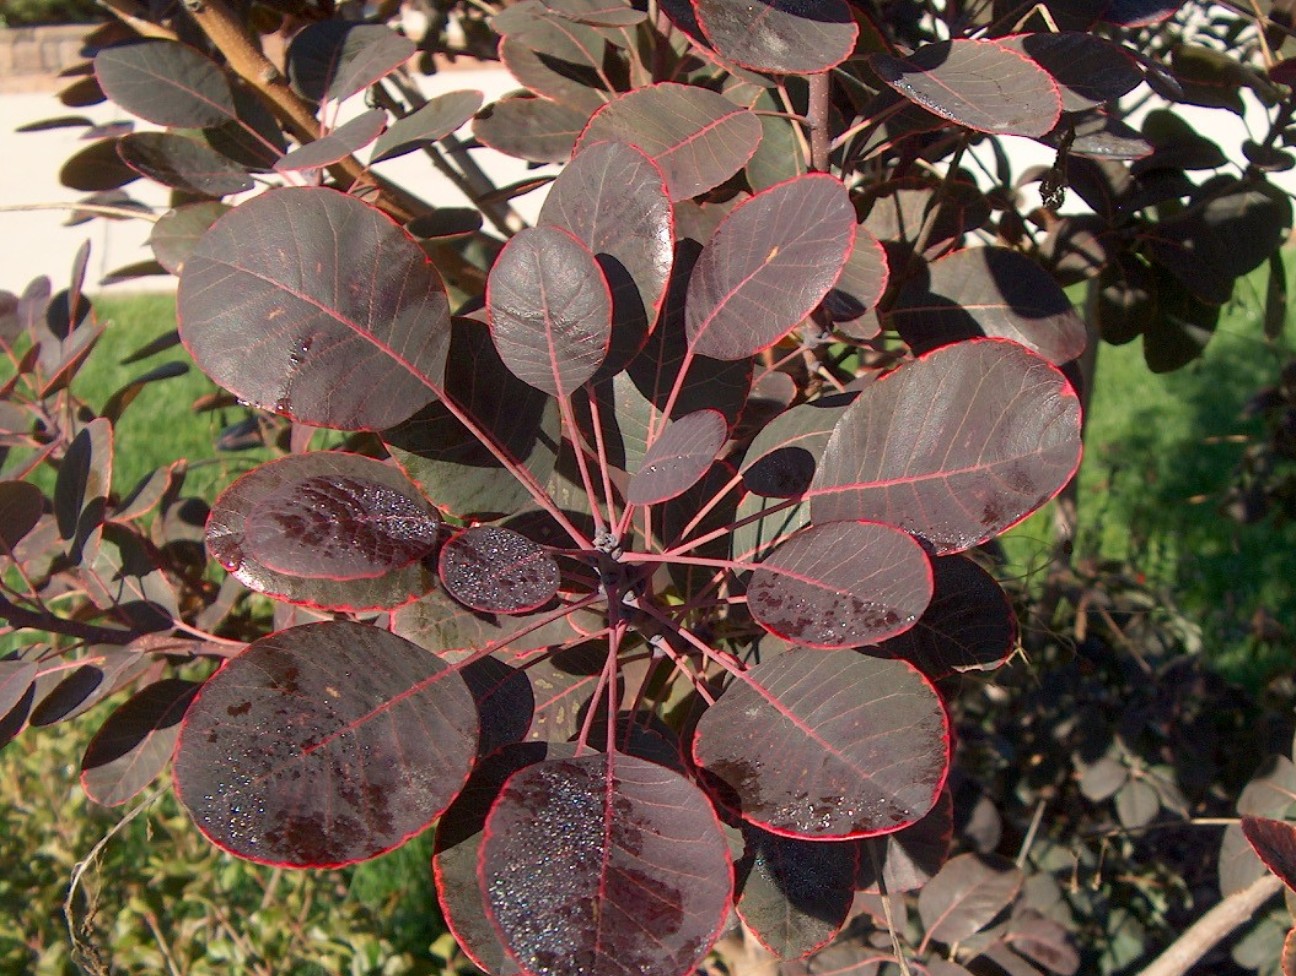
135,742
862,282
1089,70
954,447
782,459
439,117
497,570
640,885
794,895
552,56
166,83
966,895
988,291
397,573
699,138
63,695
980,84
968,626
550,309
324,745
678,458
841,584
780,36
534,129
828,746
177,232
322,524
1289,953
183,164
337,58
769,263
1275,843
316,306
911,857
613,198
346,139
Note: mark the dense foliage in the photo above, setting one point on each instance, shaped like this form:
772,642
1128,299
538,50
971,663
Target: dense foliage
644,564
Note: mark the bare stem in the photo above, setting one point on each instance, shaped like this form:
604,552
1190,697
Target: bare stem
1213,927
817,117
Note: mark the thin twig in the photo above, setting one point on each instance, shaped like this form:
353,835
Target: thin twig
1213,927
103,210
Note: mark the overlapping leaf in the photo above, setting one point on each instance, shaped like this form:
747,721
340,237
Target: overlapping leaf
767,266
166,82
182,164
323,745
310,303
336,58
338,144
135,743
534,129
435,120
826,746
780,36
640,885
954,447
497,570
966,895
678,457
1089,70
177,232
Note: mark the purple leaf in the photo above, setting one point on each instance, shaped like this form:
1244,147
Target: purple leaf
678,458
166,83
841,584
16,680
909,858
699,138
862,282
534,129
550,310
967,894
781,460
828,746
435,120
980,84
1089,70
21,505
324,745
340,321
95,168
360,549
338,144
768,265
780,36
1138,13
183,164
640,885
954,447
337,58
177,232
135,742
1275,842
497,570
554,57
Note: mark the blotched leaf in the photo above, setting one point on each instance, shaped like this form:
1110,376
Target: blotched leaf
954,447
497,570
977,83
182,164
640,885
324,745
823,746
780,36
337,58
166,83
135,742
678,457
346,139
699,138
967,894
767,266
339,318
841,584
435,120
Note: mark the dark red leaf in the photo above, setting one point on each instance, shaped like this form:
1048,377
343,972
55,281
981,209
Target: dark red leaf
70,693
827,746
360,549
177,232
435,120
782,458
1275,842
768,265
678,458
911,857
21,505
497,570
967,894
84,482
954,447
977,83
969,625
135,743
554,57
165,82
330,291
550,309
336,58
95,168
780,36
1043,941
120,572
16,680
324,745
699,138
338,144
534,129
597,13
182,164
1089,70
861,284
841,584
639,886
1138,13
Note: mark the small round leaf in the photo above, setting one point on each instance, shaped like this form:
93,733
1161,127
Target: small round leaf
497,570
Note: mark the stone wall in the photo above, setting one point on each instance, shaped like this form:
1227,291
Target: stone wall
32,57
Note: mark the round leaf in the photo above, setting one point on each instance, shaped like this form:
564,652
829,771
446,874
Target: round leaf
166,83
435,120
314,305
336,58
980,84
533,129
638,886
182,164
550,310
841,584
828,745
966,895
497,570
323,745
954,447
678,458
21,505
768,265
325,529
178,231
780,36
1089,70
699,138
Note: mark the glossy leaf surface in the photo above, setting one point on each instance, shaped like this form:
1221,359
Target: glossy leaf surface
954,447
340,320
977,83
497,570
768,265
825,746
699,138
323,745
166,83
841,584
678,458
780,36
639,887
550,310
